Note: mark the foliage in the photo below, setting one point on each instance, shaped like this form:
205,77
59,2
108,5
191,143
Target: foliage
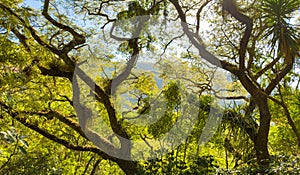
72,64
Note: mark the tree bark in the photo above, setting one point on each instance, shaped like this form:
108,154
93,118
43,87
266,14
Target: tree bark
128,166
261,138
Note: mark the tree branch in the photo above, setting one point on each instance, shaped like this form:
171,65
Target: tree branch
279,77
78,38
21,38
198,15
95,166
60,117
266,68
85,114
56,73
230,6
31,29
52,137
196,41
288,115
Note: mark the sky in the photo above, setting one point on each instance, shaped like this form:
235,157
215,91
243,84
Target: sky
33,3
37,4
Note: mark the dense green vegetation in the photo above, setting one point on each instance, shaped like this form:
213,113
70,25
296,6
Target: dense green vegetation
150,87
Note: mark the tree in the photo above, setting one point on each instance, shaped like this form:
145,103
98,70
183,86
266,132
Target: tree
43,69
283,43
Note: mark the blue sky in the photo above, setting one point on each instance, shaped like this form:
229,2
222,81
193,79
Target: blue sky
33,3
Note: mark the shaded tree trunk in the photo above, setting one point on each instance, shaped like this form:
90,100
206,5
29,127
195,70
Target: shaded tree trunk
129,167
261,138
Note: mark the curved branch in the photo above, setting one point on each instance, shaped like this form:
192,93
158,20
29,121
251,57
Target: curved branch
113,85
230,6
288,115
99,13
85,114
78,37
52,137
132,44
196,41
31,29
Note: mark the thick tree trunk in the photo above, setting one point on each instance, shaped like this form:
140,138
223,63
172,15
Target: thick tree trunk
261,138
129,167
